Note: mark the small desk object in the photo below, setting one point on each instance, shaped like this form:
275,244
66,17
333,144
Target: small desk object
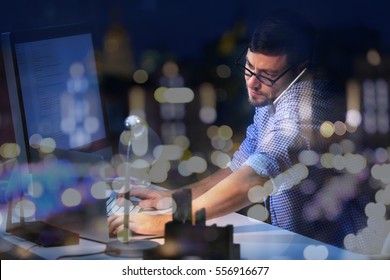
187,240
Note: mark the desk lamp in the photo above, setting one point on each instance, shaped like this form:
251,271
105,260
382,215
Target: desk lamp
140,142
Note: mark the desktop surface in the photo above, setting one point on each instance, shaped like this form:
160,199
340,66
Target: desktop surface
258,240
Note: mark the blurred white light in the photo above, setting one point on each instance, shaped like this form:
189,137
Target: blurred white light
218,143
178,95
196,164
347,146
76,70
207,115
383,196
35,140
354,163
183,170
91,125
326,160
228,145
313,252
159,94
338,162
48,145
258,212
165,203
159,171
375,210
98,190
308,157
25,208
353,118
76,85
9,150
257,194
182,141
336,149
168,152
71,197
223,71
340,128
220,159
212,131
225,132
327,129
68,124
380,172
79,138
381,154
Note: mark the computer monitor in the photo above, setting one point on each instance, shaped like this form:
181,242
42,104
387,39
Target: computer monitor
57,85
57,110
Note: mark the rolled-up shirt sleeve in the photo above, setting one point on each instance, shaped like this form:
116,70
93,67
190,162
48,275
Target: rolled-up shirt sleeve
268,143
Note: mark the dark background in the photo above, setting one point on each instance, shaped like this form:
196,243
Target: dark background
199,36
185,27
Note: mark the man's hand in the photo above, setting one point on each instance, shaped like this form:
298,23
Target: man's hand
140,223
151,198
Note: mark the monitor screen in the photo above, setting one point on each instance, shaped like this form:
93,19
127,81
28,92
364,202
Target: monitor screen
58,89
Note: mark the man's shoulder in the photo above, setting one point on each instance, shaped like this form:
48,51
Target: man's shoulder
322,97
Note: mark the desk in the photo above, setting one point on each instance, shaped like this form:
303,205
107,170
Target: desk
258,240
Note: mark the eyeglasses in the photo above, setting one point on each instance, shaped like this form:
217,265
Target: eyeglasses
262,79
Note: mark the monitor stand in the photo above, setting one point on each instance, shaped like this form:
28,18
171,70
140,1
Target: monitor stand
39,232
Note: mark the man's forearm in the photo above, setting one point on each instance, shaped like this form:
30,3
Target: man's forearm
204,185
230,194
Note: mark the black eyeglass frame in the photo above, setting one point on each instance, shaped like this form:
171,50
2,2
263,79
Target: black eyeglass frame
262,79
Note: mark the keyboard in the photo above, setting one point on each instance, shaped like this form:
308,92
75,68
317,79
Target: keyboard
113,207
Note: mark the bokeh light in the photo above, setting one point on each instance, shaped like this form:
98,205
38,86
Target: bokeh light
207,115
182,141
327,129
47,145
9,150
178,95
258,212
223,71
196,164
373,57
315,252
71,197
170,69
140,76
91,125
354,118
308,157
98,190
169,152
258,194
25,208
220,159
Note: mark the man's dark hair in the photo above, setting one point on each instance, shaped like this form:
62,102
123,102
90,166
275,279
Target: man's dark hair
284,32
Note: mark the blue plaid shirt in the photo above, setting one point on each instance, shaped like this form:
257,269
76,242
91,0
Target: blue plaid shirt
290,126
272,145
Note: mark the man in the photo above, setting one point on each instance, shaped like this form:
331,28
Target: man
291,104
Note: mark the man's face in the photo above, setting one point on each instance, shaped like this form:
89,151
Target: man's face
270,67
